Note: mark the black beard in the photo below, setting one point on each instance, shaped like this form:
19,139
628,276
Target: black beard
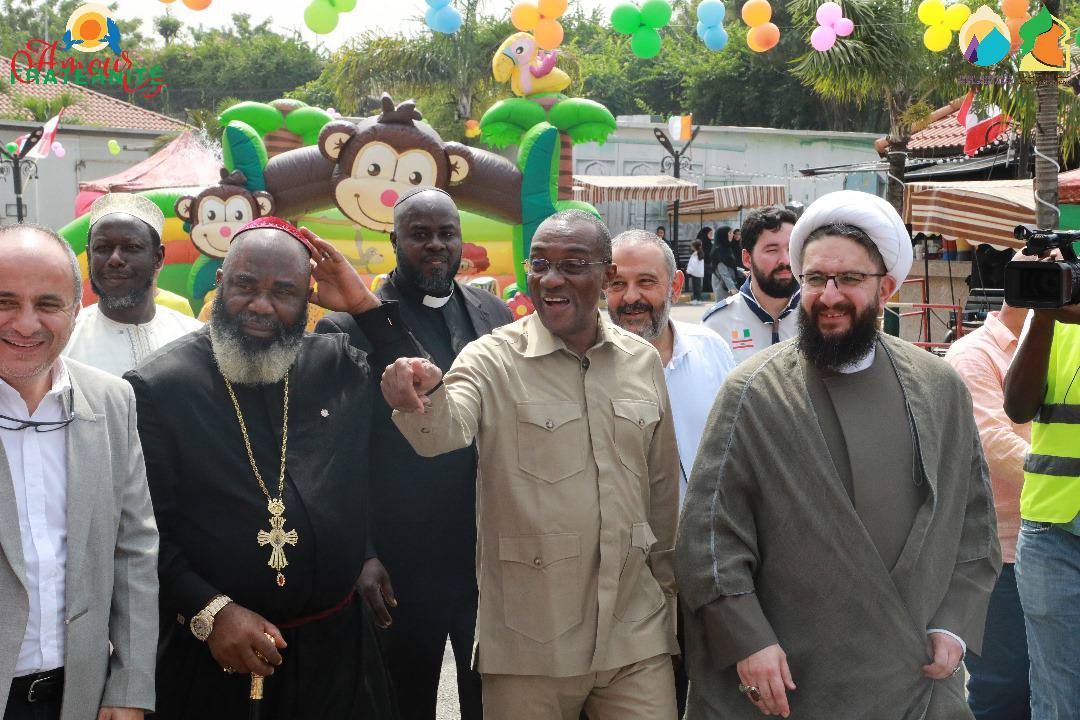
438,283
129,299
829,352
773,287
248,360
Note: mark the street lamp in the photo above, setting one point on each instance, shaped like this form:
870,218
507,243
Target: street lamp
676,161
15,163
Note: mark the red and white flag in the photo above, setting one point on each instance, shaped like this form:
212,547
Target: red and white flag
43,146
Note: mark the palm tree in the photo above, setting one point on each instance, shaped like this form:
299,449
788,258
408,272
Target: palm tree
167,26
884,60
1047,214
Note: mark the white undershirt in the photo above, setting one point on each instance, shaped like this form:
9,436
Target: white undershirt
38,465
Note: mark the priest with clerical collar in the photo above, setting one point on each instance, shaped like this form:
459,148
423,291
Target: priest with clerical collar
124,253
843,574
257,452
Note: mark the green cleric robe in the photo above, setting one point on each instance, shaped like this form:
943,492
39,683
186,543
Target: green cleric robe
771,549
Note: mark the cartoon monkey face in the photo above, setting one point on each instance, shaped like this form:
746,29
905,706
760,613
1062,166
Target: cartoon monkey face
218,212
381,158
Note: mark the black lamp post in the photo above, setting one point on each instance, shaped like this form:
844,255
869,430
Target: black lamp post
18,164
676,161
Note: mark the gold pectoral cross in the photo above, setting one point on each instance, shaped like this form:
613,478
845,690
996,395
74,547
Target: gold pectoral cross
277,539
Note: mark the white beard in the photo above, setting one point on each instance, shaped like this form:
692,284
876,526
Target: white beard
243,366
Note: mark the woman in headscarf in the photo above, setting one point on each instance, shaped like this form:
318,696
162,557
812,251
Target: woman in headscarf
725,279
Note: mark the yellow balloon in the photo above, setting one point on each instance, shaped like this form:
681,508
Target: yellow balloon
931,12
757,12
548,34
937,38
524,16
956,16
552,9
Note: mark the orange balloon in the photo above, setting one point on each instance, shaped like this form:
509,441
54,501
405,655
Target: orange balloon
168,1
197,4
756,12
765,36
524,16
548,34
1014,24
552,9
751,44
1015,8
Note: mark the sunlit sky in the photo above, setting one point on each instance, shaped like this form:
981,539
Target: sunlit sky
388,16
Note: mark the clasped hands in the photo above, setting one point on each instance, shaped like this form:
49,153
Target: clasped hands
767,671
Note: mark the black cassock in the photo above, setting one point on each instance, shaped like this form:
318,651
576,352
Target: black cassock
210,510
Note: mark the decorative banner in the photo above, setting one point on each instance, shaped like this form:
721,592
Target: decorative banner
980,133
985,38
1046,46
1016,14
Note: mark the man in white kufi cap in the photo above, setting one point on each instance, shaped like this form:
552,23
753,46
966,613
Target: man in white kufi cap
123,254
845,571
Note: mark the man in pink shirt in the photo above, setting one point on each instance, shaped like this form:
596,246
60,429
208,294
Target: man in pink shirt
998,683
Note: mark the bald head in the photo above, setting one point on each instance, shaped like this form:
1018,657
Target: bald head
277,247
30,236
427,240
579,227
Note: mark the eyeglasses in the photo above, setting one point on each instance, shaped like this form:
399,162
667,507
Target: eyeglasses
815,282
10,423
569,267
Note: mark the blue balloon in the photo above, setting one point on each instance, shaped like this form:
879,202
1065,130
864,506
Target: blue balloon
438,3
715,37
431,17
701,28
711,12
446,20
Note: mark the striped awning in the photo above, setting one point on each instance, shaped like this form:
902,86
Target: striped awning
604,188
976,212
731,199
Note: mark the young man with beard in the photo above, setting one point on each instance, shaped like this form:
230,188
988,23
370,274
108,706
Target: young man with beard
423,510
124,253
577,491
696,360
762,313
257,455
845,574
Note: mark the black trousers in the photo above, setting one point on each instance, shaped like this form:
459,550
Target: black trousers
19,709
416,641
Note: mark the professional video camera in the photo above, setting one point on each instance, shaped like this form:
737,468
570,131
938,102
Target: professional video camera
1044,284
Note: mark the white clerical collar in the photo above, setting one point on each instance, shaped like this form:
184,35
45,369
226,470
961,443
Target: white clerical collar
432,301
858,365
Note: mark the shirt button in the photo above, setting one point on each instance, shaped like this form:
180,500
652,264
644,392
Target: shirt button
538,561
549,425
425,430
641,422
584,363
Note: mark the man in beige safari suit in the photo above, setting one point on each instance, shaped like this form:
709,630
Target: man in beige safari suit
577,488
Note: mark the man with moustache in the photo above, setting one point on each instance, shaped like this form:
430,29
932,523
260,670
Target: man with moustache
762,313
257,455
78,544
846,575
123,255
696,360
423,510
577,491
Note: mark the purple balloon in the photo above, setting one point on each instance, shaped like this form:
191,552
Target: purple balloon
844,27
822,38
829,13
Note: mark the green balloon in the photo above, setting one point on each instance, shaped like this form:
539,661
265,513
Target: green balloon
645,43
11,147
344,5
626,18
655,13
321,17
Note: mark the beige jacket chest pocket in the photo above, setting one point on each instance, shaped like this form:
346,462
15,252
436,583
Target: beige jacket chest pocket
635,421
541,584
551,439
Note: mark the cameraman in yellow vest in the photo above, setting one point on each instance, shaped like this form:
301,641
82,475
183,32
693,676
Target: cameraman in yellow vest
1042,387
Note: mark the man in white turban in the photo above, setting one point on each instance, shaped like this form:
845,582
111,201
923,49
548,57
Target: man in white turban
837,548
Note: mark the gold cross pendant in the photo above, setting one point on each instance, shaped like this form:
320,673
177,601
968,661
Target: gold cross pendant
277,538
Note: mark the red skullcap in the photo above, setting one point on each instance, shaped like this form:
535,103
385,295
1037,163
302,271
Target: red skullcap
277,224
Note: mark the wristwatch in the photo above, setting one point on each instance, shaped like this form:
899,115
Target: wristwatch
203,622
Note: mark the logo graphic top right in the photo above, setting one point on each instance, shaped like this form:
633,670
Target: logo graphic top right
985,40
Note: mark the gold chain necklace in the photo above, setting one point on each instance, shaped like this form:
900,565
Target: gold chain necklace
277,537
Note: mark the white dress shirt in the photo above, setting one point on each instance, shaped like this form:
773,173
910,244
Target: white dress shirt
118,347
38,465
700,360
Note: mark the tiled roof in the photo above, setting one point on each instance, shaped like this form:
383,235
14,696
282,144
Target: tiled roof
940,134
94,108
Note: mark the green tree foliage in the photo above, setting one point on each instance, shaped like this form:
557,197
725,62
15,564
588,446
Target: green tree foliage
167,26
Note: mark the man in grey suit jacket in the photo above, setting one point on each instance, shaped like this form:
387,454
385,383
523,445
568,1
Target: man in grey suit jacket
78,541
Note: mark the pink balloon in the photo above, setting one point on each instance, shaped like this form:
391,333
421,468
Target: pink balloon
844,27
822,38
58,149
829,13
